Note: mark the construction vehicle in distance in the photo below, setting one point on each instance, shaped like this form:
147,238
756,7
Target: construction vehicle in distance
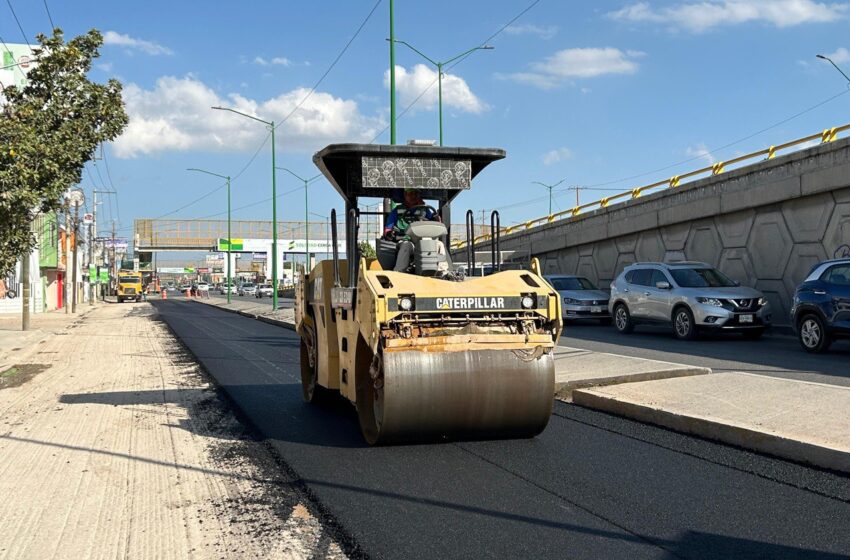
129,286
429,353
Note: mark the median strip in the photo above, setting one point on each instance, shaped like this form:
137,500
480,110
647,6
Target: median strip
798,420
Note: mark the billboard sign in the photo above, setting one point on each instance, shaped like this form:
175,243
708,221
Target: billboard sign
119,242
17,61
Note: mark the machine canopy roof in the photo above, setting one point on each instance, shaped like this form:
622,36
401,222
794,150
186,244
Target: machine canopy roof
380,171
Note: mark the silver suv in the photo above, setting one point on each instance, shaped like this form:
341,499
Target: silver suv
689,296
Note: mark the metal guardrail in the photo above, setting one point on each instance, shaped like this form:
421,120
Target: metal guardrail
826,136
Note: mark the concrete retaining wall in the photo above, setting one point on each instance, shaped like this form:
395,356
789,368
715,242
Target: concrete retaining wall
764,225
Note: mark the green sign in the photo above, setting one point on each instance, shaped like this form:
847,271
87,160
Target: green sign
92,273
188,270
233,244
104,276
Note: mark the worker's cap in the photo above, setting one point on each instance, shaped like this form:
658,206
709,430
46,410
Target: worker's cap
413,190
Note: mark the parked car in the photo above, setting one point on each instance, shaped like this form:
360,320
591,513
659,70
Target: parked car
203,287
225,288
581,298
690,296
821,309
264,290
247,289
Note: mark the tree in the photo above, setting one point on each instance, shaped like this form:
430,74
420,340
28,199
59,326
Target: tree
366,250
49,129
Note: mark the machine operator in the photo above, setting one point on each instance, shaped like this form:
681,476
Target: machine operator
399,220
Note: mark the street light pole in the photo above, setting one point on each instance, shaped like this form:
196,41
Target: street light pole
822,57
306,213
226,178
271,126
550,187
439,66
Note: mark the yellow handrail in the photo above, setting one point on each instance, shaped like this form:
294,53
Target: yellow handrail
825,136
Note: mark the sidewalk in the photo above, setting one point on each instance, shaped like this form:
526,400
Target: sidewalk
798,420
114,445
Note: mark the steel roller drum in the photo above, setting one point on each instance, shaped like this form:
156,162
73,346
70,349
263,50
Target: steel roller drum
479,394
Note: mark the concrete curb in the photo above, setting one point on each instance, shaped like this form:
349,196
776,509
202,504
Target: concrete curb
565,390
770,444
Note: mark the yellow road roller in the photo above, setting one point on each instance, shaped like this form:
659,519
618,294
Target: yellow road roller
427,352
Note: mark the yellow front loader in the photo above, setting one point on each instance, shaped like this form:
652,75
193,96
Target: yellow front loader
426,353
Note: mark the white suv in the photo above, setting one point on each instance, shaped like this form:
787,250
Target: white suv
689,296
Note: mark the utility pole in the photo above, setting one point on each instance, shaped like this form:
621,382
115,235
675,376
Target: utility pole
77,198
91,264
25,285
76,250
550,187
67,250
112,264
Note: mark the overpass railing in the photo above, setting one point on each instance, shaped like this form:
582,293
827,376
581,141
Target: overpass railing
826,136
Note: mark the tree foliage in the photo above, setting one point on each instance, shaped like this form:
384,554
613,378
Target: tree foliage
367,250
49,129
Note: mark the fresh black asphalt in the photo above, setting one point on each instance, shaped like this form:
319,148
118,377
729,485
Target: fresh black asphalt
591,486
775,355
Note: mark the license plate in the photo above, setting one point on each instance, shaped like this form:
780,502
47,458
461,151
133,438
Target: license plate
745,318
596,309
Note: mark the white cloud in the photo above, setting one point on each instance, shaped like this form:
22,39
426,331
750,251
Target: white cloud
701,151
276,61
840,56
176,115
456,92
556,155
542,31
147,47
577,63
703,15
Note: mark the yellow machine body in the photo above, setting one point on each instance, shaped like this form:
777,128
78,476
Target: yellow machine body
464,359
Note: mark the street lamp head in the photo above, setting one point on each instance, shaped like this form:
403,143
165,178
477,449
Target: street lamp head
822,57
488,47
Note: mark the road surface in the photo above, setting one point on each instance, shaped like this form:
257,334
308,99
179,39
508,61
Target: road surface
776,355
591,486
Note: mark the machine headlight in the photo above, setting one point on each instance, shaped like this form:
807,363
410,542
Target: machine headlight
528,301
406,303
571,301
762,301
710,301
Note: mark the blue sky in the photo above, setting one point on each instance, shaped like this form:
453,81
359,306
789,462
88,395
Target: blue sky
589,92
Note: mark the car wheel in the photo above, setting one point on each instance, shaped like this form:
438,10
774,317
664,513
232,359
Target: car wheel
683,324
623,319
606,321
812,334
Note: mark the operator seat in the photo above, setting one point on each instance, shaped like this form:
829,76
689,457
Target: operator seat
429,253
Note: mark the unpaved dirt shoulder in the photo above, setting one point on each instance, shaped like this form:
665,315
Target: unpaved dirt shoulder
122,448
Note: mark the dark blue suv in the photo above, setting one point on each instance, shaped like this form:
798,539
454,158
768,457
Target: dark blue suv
821,311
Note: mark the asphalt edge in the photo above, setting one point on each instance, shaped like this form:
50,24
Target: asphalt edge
746,438
263,318
347,542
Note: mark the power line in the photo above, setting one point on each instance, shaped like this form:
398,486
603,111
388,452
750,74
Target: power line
49,17
428,88
24,35
338,57
16,65
298,106
595,186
